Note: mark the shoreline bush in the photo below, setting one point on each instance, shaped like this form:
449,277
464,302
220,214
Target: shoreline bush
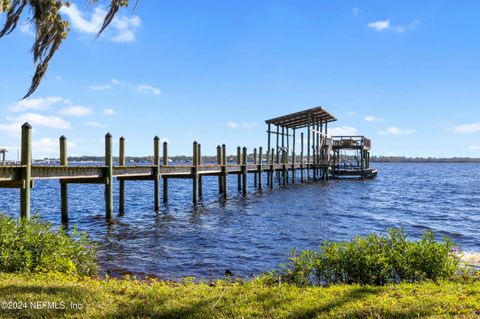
33,246
374,260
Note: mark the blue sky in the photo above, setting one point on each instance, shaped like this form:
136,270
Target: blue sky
404,73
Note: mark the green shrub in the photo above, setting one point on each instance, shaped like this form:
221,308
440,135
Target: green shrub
32,246
374,260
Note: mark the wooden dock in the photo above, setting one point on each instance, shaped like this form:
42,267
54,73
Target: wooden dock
280,165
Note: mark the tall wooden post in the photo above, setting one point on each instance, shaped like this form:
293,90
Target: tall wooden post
199,162
239,161
219,162
287,155
165,179
63,186
308,146
121,186
224,171
244,171
288,146
282,153
272,179
294,158
318,142
276,148
195,173
260,169
269,137
156,171
268,164
108,176
301,157
255,162
26,171
284,167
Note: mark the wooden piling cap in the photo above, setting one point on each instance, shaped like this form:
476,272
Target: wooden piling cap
122,138
108,135
26,125
156,138
63,137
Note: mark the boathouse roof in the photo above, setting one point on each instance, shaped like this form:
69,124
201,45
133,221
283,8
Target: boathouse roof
301,119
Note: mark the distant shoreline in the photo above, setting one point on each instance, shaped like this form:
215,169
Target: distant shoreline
232,158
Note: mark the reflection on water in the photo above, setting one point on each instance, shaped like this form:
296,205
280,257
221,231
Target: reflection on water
253,234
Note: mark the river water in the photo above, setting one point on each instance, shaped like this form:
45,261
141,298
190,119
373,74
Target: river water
254,234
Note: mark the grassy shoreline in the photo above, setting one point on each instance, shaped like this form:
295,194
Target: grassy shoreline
130,298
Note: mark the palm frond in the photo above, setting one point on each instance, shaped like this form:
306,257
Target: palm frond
50,30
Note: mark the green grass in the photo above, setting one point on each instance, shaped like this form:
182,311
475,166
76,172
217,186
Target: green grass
108,298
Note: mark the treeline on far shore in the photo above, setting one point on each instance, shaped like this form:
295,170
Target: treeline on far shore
232,158
403,159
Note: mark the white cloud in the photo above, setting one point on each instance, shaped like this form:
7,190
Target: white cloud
100,87
233,125
342,130
27,28
393,130
355,11
409,27
142,88
38,104
467,128
474,148
382,25
95,124
122,28
243,125
13,128
58,78
40,120
379,25
371,118
77,110
146,88
109,112
46,147
117,82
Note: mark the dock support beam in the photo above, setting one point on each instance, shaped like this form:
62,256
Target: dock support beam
301,157
195,173
108,176
255,162
224,171
26,160
308,145
268,163
63,186
121,186
156,170
244,171
239,162
260,170
272,179
199,162
219,162
165,180
294,159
